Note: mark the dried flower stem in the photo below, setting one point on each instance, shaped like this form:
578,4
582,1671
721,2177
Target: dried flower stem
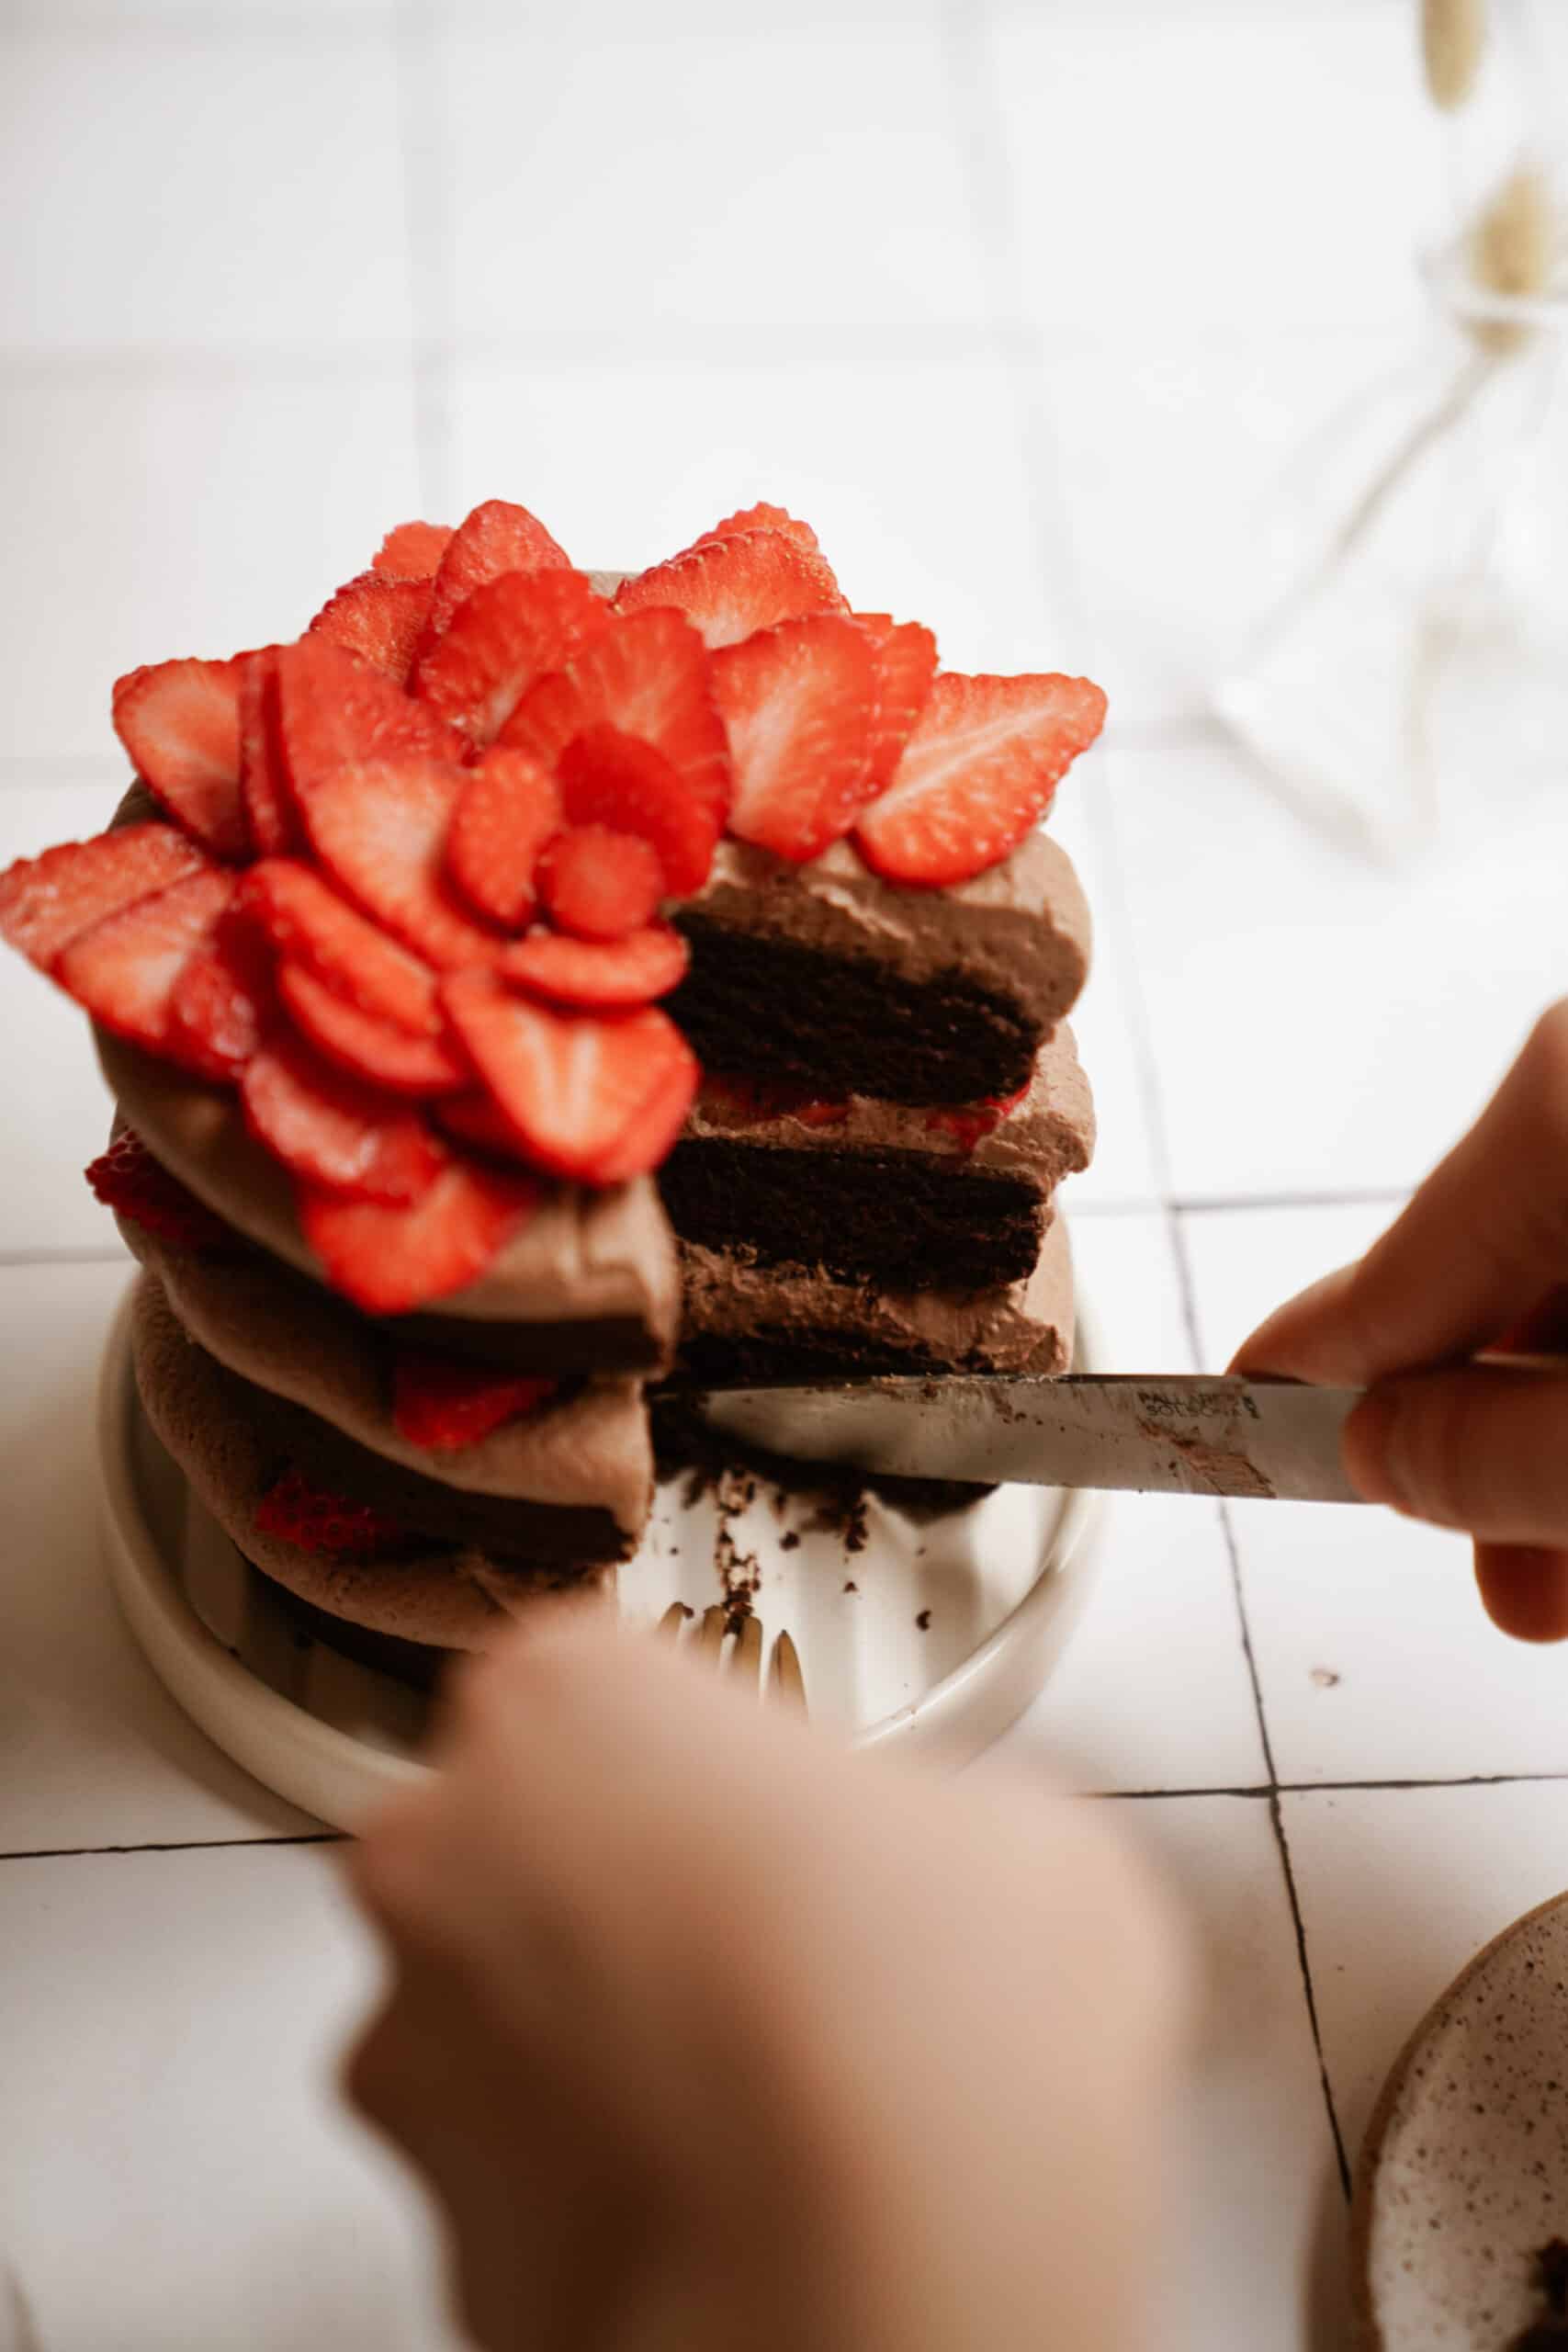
1454,37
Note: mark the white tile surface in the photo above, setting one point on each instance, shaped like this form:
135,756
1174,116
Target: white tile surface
1321,1024
1399,1889
1376,1660
696,168
1259,2254
914,475
171,2030
92,1753
1154,1692
205,181
163,519
59,1117
1161,159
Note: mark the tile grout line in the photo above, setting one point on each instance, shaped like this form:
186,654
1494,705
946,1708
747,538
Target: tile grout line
1276,1808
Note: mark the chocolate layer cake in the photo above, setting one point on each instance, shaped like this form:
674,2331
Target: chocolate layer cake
404,955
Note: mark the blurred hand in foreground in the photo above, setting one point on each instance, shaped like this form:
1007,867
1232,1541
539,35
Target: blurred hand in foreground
706,2033
1476,1266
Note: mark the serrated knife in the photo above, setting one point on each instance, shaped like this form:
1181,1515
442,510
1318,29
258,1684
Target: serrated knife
1183,1434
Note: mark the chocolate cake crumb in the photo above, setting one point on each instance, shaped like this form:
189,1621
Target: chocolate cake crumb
850,1585
790,1543
924,1621
1550,2332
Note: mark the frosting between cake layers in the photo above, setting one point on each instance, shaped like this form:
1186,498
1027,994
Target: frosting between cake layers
1026,1327
581,1256
1020,930
297,1342
1047,1137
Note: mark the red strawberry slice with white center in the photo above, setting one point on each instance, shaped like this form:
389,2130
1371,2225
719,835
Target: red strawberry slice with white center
306,921
390,1260
598,977
646,677
127,1179
648,1140
222,1004
124,970
509,632
180,722
373,1050
608,778
494,538
48,902
381,618
906,665
330,1131
443,1402
264,780
798,704
413,551
731,586
762,517
570,1083
598,883
380,830
977,775
332,707
509,807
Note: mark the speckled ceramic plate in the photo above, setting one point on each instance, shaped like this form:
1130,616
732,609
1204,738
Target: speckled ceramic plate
933,1632
1464,2174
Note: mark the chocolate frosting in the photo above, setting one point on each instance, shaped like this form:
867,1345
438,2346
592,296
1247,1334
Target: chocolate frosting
581,1256
1049,1135
299,1341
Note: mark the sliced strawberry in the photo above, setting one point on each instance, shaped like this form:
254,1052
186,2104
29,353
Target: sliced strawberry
608,778
646,677
330,1131
48,902
571,1083
509,808
307,923
762,517
223,1003
476,1118
180,722
508,633
598,883
129,1179
264,780
978,772
494,538
332,707
369,1049
124,970
379,618
730,586
443,1402
798,702
906,665
412,551
380,830
390,1260
604,979
648,1140
294,1510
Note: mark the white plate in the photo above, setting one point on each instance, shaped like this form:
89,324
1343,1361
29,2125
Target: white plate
1464,2174
998,1586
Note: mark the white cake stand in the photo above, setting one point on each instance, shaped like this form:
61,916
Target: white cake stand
936,1632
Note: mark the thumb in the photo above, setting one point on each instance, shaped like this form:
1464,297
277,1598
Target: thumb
1484,1449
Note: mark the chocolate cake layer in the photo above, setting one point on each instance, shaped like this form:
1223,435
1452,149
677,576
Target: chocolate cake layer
221,1432
826,977
588,1445
913,1199
746,1321
588,1282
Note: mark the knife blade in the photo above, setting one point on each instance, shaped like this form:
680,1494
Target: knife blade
1183,1434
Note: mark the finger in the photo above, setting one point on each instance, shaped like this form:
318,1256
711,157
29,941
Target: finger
1484,1449
1543,1331
1524,1589
1481,1241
